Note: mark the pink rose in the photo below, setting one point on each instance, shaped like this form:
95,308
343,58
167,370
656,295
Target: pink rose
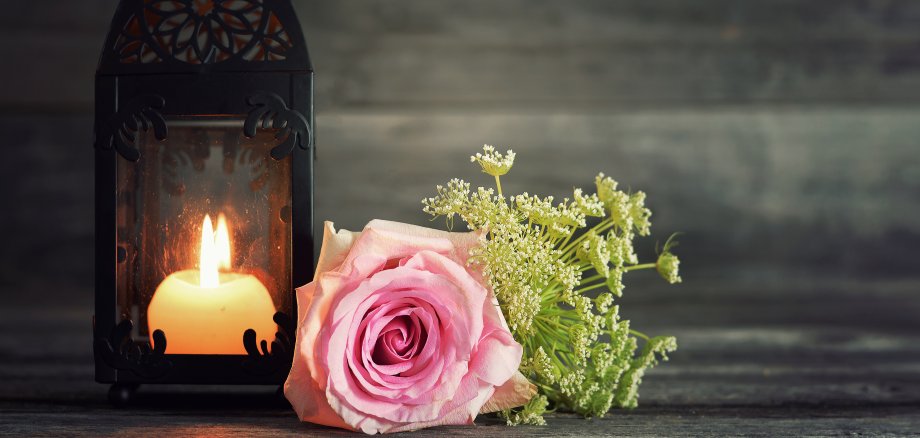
396,333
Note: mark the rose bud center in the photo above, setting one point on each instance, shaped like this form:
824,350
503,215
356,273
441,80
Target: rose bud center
400,340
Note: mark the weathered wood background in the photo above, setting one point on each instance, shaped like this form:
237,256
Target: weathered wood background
782,137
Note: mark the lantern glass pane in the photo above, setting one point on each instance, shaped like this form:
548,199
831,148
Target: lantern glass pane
204,235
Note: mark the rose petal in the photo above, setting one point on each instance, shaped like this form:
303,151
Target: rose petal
382,359
461,412
515,392
300,388
414,383
348,381
335,247
461,242
497,357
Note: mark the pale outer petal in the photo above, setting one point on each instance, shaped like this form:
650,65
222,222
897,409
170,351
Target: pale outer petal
301,389
462,242
515,392
302,386
335,247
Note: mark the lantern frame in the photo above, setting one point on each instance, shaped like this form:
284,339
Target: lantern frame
147,75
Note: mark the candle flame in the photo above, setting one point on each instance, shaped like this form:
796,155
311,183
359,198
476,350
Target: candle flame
222,241
215,251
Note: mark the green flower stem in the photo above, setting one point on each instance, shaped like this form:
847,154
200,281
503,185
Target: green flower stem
600,227
546,340
546,333
546,237
592,278
592,287
627,269
551,322
544,387
562,245
498,185
639,334
638,267
549,296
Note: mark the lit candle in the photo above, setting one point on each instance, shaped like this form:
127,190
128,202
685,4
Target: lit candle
206,311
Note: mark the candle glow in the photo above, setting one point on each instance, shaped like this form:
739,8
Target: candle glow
205,310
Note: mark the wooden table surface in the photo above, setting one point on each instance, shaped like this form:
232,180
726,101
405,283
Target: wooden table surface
831,364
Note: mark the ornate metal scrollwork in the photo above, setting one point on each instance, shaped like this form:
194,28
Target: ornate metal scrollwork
263,361
121,353
140,114
270,111
202,32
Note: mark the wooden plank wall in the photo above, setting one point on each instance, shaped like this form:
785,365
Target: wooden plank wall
779,136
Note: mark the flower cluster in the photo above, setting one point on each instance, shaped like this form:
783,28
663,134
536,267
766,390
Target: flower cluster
492,162
557,279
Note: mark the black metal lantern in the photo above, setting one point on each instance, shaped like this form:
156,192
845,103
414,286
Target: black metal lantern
204,118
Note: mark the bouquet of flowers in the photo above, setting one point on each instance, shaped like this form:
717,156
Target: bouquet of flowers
407,327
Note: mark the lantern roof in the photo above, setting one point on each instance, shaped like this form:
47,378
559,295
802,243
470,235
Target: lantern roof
203,36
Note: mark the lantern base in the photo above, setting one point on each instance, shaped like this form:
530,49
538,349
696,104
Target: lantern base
120,394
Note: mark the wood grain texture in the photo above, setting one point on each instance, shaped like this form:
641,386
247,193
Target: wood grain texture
780,136
742,369
584,53
650,423
785,187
